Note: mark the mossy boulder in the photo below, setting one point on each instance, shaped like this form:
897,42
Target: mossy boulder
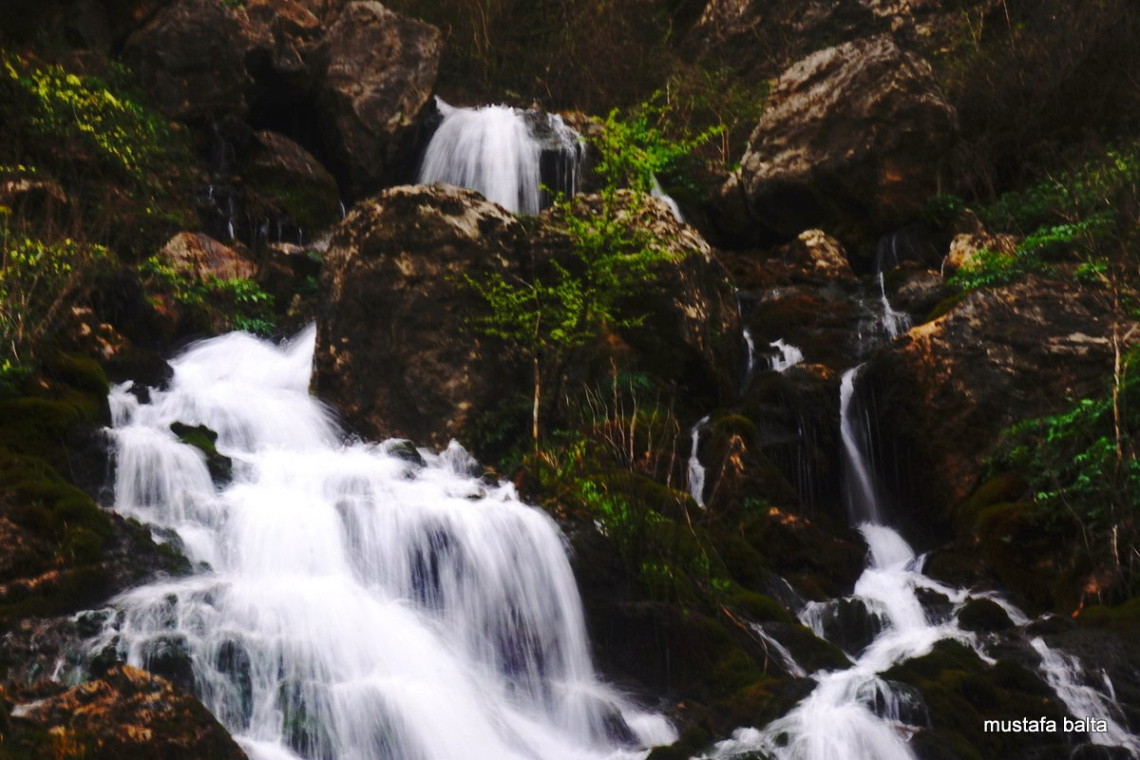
983,616
221,467
961,692
822,565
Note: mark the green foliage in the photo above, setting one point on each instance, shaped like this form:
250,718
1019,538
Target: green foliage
223,304
1072,217
38,280
634,149
561,305
126,135
1081,467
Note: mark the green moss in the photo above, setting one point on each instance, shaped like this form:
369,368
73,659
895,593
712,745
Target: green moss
205,440
1000,489
983,615
812,652
1127,612
943,307
759,608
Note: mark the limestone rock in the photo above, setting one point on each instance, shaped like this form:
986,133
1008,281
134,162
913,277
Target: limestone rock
948,388
392,354
189,57
204,257
127,713
378,70
397,352
293,183
850,142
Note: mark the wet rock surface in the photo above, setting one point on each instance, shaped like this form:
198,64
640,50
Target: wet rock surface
847,142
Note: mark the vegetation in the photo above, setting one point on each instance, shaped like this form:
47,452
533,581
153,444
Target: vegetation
39,281
213,302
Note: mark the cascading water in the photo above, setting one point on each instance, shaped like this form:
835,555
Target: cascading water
860,495
352,601
786,356
696,469
657,192
854,714
504,153
893,322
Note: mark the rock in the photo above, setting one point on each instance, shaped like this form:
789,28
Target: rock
279,36
972,237
393,354
126,713
396,368
850,142
203,257
378,70
983,616
692,335
189,57
948,388
294,185
818,255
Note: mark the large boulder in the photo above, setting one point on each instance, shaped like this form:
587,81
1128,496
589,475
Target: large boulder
948,389
293,188
850,142
379,69
126,713
398,352
189,57
687,304
393,354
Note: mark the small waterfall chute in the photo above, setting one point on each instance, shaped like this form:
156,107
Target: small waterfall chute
506,154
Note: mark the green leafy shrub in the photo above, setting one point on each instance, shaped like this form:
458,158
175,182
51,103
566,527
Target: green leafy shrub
1081,467
38,281
125,134
1084,216
634,149
221,304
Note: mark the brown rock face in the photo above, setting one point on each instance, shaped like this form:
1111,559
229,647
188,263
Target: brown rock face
294,184
392,354
189,57
397,355
948,389
204,257
127,713
379,71
850,142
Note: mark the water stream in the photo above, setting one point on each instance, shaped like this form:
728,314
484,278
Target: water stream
504,153
855,714
352,600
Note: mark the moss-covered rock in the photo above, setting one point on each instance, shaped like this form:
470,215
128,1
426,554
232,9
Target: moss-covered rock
983,616
221,467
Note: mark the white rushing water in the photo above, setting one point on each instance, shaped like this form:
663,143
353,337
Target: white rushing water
855,714
696,469
349,601
786,356
893,323
502,153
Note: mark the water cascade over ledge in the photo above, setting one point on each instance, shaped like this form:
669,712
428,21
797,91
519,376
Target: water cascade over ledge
352,600
506,154
855,713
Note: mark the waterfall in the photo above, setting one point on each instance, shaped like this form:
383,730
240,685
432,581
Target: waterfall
696,469
656,192
786,355
504,153
854,714
893,323
860,494
352,600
